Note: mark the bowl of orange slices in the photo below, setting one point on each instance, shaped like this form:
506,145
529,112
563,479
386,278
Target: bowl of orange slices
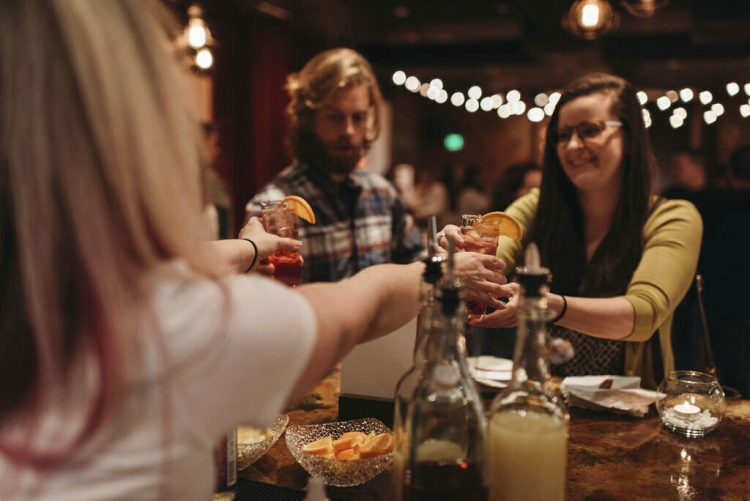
343,453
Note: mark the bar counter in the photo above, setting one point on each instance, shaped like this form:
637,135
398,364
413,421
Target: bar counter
609,456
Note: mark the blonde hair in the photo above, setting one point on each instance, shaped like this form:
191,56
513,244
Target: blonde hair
99,184
323,74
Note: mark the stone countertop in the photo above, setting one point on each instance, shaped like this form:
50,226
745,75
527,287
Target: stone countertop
609,456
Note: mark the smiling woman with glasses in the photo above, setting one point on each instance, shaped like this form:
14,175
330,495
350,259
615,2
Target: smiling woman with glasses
621,258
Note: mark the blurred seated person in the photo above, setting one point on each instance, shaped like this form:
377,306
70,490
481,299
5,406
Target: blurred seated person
471,198
128,348
621,258
515,181
430,197
687,172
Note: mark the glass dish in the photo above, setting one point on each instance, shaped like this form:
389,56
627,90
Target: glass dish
250,449
694,404
334,472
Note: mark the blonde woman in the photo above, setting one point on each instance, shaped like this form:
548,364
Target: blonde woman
126,349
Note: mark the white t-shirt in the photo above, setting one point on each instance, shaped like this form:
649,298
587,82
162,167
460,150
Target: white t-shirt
229,362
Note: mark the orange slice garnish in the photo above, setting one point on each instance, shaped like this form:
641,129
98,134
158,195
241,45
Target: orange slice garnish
322,447
376,446
508,225
300,207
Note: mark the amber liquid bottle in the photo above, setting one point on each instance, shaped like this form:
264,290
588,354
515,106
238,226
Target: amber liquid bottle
445,425
407,384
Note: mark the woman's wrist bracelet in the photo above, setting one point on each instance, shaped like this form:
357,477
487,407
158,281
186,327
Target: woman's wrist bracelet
255,254
559,316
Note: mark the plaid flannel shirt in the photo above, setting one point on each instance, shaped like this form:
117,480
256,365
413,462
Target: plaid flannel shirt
360,221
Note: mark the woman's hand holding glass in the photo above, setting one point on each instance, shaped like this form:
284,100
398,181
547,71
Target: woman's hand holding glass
506,314
267,244
481,274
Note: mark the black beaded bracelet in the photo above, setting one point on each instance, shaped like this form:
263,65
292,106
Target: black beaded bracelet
255,255
559,316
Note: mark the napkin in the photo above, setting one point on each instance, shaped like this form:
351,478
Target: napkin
619,394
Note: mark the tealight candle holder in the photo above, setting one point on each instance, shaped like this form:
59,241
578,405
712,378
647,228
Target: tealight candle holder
694,404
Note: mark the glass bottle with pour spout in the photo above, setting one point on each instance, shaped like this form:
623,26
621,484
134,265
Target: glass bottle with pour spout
528,425
407,384
445,424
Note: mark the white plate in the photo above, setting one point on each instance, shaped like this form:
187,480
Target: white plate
491,371
490,363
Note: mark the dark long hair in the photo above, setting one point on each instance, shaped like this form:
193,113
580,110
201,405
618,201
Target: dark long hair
559,226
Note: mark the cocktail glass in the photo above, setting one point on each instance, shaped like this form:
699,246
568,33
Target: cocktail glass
479,236
278,218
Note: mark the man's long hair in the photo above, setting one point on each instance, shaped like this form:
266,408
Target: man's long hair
323,74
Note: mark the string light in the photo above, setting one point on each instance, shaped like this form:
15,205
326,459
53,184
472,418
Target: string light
541,99
663,103
543,104
535,114
646,117
676,122
412,84
486,103
686,94
504,111
472,105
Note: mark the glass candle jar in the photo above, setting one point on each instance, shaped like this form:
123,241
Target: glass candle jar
694,403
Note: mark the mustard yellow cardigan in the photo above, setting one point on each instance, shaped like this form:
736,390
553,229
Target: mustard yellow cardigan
672,240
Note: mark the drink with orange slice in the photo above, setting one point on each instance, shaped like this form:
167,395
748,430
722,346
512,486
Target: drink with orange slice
281,217
481,234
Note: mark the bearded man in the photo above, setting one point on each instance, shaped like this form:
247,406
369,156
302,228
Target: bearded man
334,117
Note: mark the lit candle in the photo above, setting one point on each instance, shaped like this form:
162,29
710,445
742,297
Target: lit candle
686,410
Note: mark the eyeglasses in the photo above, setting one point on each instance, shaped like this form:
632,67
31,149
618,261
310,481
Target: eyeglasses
586,131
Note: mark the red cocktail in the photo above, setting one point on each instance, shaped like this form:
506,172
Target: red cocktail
280,219
479,236
288,267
